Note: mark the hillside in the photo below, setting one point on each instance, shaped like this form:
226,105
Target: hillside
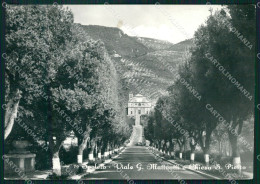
154,44
116,41
181,46
142,63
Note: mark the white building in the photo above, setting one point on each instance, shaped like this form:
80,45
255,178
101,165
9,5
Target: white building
138,105
71,140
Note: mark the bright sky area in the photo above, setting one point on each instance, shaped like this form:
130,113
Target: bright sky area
173,23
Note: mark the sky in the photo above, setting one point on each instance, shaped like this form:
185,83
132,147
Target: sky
173,23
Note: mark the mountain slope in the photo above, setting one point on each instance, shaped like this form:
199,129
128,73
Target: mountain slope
182,46
154,44
145,65
116,41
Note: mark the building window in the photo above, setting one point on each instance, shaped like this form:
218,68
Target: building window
131,112
139,111
139,104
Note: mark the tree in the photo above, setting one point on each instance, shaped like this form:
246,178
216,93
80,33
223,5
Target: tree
220,56
149,129
35,35
232,55
60,75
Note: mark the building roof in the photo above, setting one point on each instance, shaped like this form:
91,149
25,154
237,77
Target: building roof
139,98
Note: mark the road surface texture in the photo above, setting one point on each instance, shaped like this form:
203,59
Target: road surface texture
136,135
138,162
135,157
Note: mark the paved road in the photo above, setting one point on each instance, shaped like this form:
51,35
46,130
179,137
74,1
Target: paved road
136,135
137,163
134,155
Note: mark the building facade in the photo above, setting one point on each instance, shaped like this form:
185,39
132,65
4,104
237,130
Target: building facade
138,105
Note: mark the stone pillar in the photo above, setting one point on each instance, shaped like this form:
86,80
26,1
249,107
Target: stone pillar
19,159
206,158
21,164
180,155
99,155
80,159
192,157
91,156
32,163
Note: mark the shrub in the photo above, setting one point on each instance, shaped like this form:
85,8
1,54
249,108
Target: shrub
69,156
43,159
55,177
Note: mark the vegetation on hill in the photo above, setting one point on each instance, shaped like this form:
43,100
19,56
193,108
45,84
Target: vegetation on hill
154,44
182,46
116,41
145,65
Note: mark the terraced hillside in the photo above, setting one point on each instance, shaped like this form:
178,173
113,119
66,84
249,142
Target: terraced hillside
154,44
145,65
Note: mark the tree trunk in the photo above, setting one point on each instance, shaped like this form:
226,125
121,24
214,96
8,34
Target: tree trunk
151,143
164,147
192,157
225,148
205,147
11,110
159,145
83,145
109,149
233,138
99,149
99,153
229,149
171,149
91,154
56,166
219,147
55,148
105,148
181,145
192,151
156,145
81,148
185,145
60,136
234,145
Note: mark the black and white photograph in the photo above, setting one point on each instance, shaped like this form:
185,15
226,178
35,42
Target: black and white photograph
129,92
